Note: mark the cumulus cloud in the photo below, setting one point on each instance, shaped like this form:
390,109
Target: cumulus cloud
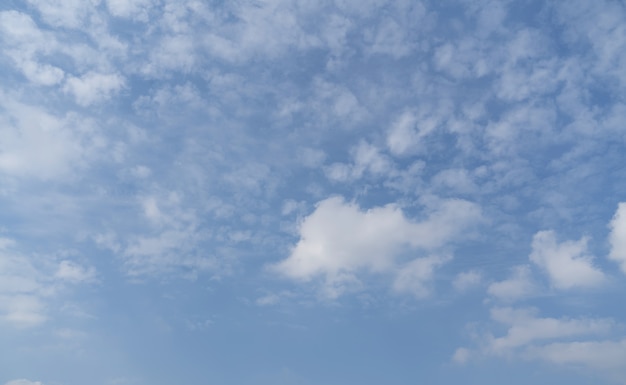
338,239
467,280
24,42
64,13
409,130
35,143
567,264
415,277
617,237
367,160
93,87
70,271
519,285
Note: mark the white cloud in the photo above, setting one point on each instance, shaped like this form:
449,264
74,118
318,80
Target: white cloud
268,300
461,355
43,74
390,38
168,246
339,239
337,104
173,53
605,356
265,28
24,37
467,280
525,328
567,264
403,135
617,237
22,311
24,43
408,131
464,59
28,284
65,13
93,87
367,159
136,9
518,286
311,158
455,180
582,342
416,276
34,143
505,135
72,272
23,382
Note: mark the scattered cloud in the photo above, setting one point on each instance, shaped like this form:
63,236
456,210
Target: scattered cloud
467,280
29,284
525,328
567,264
583,341
617,237
518,286
415,277
37,143
93,87
187,138
23,382
605,356
339,239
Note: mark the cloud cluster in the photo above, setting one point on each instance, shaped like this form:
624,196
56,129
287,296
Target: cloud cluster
617,238
339,240
578,342
595,343
29,284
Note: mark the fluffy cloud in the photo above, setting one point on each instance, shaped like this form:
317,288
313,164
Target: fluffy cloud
338,239
519,285
617,237
34,143
93,87
409,131
70,271
606,356
24,42
415,277
367,159
65,13
467,280
567,264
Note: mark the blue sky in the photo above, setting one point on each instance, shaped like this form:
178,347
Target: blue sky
312,192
